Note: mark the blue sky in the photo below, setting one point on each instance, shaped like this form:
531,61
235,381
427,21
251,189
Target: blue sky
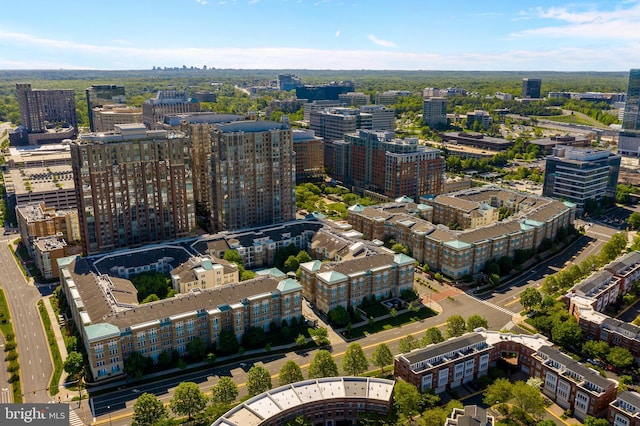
321,34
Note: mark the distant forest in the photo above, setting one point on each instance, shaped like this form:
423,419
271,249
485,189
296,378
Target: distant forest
143,84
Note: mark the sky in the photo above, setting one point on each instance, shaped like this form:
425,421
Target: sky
461,35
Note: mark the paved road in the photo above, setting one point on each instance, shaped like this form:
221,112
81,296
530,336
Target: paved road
35,361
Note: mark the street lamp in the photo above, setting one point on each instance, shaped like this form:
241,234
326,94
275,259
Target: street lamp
109,408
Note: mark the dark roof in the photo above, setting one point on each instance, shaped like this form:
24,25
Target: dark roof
141,257
445,347
588,374
251,126
632,398
592,282
630,328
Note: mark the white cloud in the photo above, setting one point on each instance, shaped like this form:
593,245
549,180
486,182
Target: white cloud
253,1
42,53
338,33
202,2
379,42
621,23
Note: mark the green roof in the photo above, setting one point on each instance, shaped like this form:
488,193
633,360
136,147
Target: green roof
288,285
569,204
206,264
274,272
101,331
356,208
332,277
533,223
457,244
312,266
402,259
64,261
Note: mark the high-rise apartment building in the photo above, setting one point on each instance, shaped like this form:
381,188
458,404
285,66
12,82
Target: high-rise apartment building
106,117
253,170
167,102
434,112
332,124
394,167
99,95
631,118
309,151
578,174
531,88
40,109
133,187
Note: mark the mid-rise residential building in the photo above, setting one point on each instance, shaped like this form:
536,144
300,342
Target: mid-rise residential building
581,175
309,151
393,167
35,220
468,416
104,118
254,174
459,360
483,118
531,88
46,252
99,95
203,272
598,290
134,187
465,213
625,409
457,253
326,401
390,97
355,99
112,323
347,283
167,102
434,112
42,108
330,91
631,118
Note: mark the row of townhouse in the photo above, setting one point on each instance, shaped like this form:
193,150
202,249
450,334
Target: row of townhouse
459,360
590,297
113,324
347,283
460,253
625,410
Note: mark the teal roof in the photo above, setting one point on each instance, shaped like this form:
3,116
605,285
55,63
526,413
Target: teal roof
332,277
274,272
207,265
356,208
101,331
457,244
315,215
64,261
402,259
424,207
533,223
288,285
569,204
312,266
525,227
404,199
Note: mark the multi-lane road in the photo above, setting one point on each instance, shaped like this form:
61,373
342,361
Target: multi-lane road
33,349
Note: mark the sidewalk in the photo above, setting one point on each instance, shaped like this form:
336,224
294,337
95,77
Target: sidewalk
59,339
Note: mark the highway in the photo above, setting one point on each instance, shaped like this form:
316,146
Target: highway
33,349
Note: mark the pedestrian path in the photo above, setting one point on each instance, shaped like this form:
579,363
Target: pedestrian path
74,419
491,305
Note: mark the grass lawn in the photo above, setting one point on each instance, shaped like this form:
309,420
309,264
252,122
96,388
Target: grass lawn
53,349
7,328
405,318
376,310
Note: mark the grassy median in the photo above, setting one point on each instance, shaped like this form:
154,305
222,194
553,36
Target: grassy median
6,327
53,349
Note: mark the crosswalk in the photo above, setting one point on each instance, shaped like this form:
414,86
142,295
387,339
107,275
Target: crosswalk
74,420
5,396
491,305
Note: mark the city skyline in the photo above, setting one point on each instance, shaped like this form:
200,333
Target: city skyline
322,34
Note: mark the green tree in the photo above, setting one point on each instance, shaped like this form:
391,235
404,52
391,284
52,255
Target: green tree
634,220
74,364
228,342
291,264
567,334
188,400
528,399
225,391
381,356
196,348
399,248
323,365
303,257
320,335
148,410
232,256
406,398
338,316
432,335
135,364
530,298
354,361
498,392
290,373
258,380
620,357
596,348
455,326
150,298
594,421
476,321
407,344
301,340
